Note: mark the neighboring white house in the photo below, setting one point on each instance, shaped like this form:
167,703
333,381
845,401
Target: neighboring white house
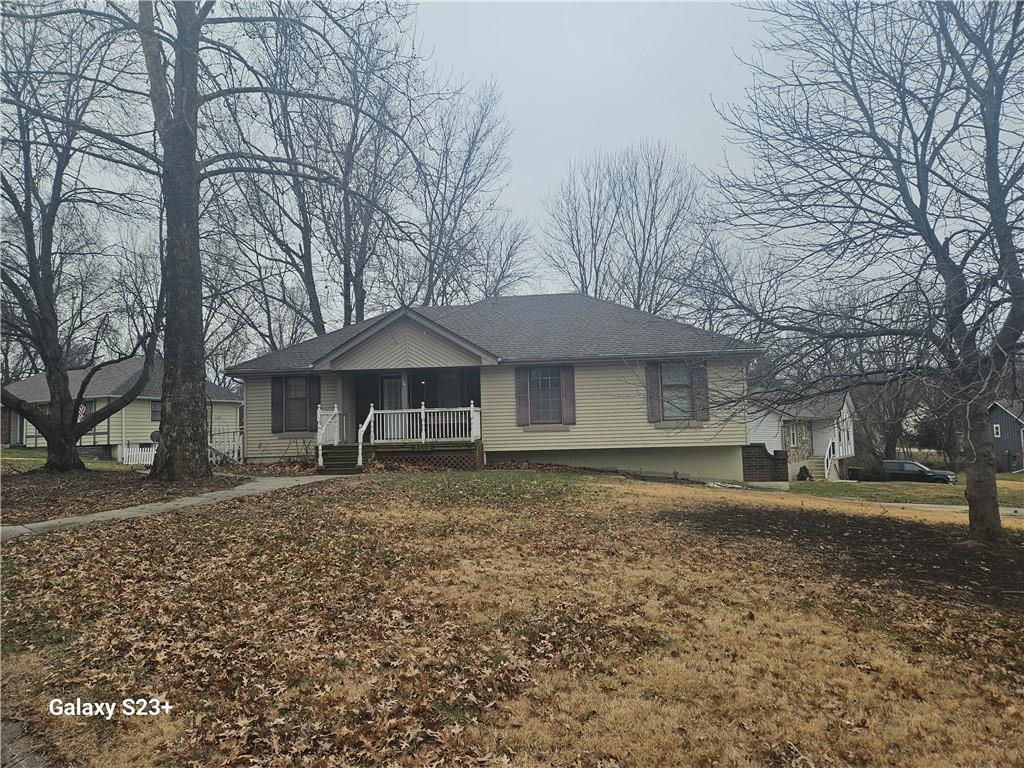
817,433
132,427
765,427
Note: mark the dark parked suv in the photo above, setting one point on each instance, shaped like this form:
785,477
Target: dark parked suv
914,471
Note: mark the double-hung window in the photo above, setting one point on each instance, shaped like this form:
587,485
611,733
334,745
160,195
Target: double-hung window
296,412
676,391
154,410
545,394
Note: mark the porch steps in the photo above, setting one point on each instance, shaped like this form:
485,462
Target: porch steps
341,459
816,466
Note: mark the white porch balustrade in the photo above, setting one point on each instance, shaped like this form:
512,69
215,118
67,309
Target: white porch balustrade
419,425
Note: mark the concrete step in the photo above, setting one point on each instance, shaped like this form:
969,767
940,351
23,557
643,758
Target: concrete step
816,466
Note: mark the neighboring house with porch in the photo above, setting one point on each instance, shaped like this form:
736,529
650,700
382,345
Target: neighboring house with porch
817,433
134,425
562,378
1008,434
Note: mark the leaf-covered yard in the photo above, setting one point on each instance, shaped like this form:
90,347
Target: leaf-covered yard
39,494
520,618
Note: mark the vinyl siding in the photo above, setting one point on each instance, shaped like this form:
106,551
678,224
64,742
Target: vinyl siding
766,428
404,344
611,412
98,436
136,423
139,427
263,445
822,433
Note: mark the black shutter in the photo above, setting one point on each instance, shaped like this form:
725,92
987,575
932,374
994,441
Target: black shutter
522,396
277,404
312,400
568,378
654,392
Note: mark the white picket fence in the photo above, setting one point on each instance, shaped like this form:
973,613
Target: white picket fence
138,454
224,446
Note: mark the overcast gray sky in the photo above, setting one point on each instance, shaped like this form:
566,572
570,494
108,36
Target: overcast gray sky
579,76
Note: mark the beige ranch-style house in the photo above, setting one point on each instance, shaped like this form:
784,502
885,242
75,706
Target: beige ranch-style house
562,378
129,435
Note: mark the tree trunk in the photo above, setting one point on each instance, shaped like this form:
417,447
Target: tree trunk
182,452
61,441
982,501
890,441
347,292
62,452
359,290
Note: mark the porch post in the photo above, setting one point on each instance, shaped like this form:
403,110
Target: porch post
423,422
368,424
319,439
474,422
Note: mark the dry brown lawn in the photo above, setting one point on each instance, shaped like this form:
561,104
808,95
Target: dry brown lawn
39,494
527,619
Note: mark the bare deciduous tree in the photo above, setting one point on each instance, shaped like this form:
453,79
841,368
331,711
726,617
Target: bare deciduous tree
500,264
628,227
463,157
196,60
887,153
54,264
659,237
582,220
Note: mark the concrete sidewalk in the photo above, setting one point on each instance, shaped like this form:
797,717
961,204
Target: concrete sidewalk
251,488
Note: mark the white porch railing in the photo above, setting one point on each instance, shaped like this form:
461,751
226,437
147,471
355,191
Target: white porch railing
420,425
830,457
328,431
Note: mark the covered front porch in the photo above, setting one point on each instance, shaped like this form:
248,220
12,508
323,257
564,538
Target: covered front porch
409,406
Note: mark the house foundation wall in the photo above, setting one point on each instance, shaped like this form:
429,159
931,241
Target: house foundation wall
704,463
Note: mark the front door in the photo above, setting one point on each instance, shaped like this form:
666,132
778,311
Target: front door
391,393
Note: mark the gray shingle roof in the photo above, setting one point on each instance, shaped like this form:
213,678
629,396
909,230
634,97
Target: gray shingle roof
820,407
301,356
562,326
111,381
1013,407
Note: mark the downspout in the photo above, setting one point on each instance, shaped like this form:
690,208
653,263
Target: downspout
124,445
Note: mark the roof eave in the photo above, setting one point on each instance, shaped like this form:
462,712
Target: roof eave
740,353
